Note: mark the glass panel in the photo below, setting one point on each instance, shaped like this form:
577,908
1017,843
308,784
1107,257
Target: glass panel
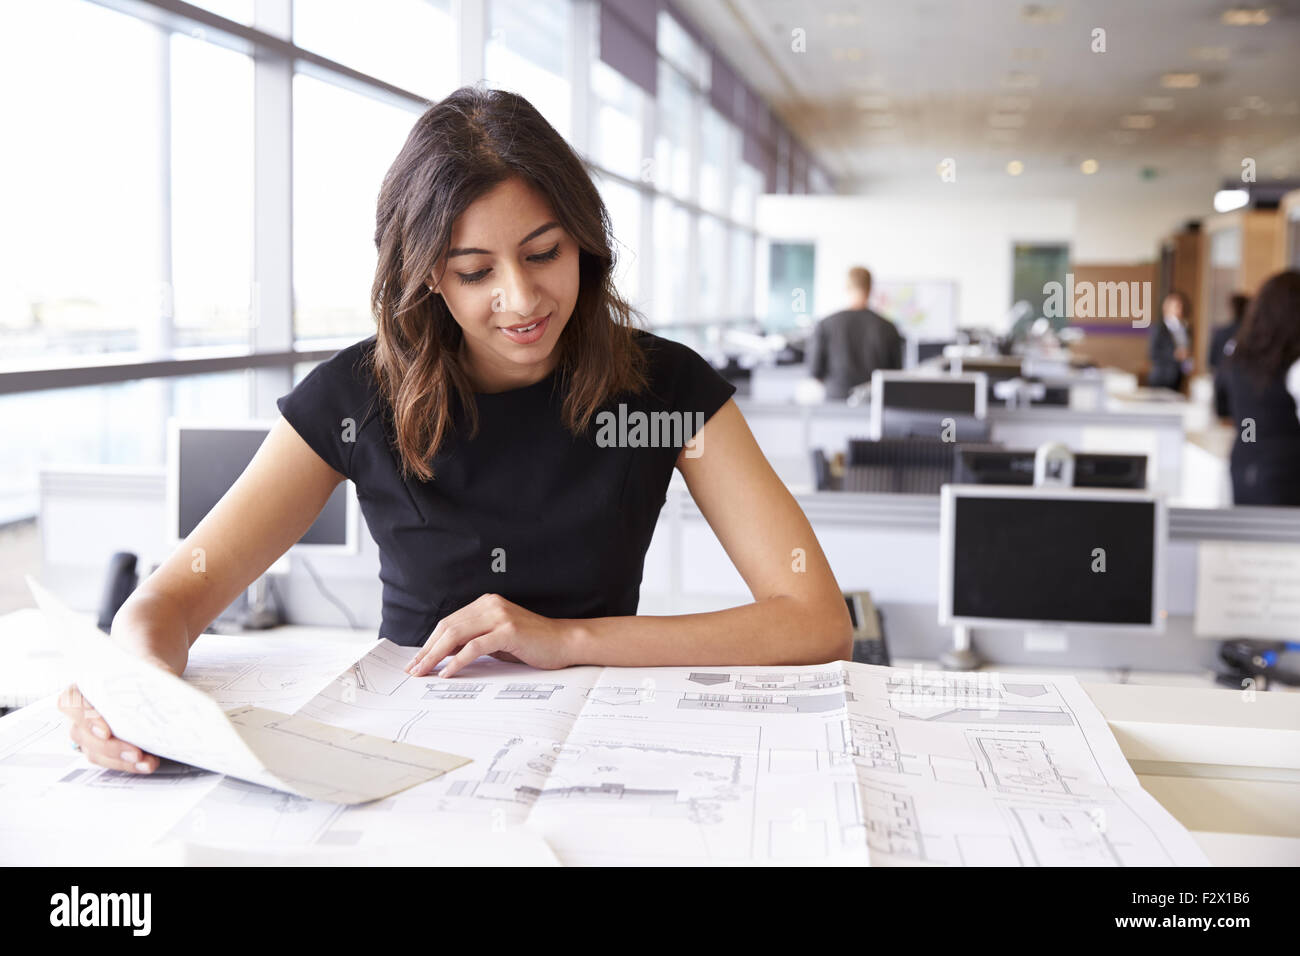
212,193
528,52
409,43
746,187
673,144
791,267
710,299
81,233
715,143
120,424
672,226
616,140
678,48
342,146
742,278
624,205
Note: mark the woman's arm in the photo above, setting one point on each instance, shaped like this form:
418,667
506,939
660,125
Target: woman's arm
798,615
268,508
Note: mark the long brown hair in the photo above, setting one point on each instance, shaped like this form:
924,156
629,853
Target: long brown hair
461,148
1269,340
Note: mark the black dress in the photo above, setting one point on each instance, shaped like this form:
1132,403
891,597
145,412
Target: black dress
1265,470
557,524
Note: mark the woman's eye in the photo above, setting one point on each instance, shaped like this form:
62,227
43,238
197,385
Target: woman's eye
472,277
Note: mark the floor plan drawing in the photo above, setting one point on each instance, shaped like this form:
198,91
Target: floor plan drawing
830,764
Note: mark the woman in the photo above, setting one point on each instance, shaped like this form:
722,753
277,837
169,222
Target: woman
511,437
1261,380
1170,344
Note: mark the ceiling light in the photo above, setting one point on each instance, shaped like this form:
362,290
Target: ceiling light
1226,200
1235,112
1015,167
1037,13
1123,137
1006,120
1157,103
872,101
1088,167
1004,103
1028,53
1138,121
846,53
1245,16
1180,81
1020,81
1215,53
879,120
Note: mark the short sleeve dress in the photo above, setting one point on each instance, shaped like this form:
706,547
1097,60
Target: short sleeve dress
555,523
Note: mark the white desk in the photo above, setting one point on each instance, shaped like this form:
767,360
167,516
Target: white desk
1226,766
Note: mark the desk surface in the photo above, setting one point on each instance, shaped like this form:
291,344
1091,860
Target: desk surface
1224,765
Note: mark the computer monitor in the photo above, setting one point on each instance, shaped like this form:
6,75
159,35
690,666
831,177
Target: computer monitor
907,405
1054,557
1006,466
205,458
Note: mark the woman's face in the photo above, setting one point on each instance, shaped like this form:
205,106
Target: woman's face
511,265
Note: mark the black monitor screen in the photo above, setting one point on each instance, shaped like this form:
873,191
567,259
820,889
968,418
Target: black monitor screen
1035,559
931,395
210,459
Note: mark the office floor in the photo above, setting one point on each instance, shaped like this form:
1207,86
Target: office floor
20,554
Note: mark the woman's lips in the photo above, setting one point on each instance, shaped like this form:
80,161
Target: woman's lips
527,338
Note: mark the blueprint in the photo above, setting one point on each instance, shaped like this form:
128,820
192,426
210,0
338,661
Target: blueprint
835,764
165,715
839,764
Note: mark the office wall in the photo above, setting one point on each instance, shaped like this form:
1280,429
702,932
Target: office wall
968,240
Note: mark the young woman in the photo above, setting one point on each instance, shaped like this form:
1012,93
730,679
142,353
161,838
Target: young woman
511,437
1261,381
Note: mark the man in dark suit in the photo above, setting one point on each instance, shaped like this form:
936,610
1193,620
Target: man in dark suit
845,348
1170,345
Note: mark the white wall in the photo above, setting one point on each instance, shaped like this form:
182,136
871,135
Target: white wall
968,241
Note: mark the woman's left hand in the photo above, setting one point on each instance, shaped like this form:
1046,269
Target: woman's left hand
492,625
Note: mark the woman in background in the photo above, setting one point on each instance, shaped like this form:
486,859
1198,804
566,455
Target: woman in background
1262,381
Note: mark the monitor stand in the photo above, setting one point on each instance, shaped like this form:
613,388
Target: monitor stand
262,612
961,656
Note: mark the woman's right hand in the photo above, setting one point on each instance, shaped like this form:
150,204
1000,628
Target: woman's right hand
92,734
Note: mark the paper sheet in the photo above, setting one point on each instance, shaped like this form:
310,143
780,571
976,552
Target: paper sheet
166,716
1247,589
832,765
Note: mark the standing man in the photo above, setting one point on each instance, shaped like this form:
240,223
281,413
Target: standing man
845,348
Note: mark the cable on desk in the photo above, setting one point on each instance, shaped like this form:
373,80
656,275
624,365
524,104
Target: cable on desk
320,585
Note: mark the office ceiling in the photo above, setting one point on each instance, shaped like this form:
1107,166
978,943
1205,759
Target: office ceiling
885,91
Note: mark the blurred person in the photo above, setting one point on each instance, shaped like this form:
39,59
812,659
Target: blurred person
1262,381
1221,345
1170,344
845,348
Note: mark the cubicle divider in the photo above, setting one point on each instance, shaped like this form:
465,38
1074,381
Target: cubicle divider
788,433
887,544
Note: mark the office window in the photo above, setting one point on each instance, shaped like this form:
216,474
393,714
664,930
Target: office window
741,282
624,205
715,151
747,185
616,130
528,52
680,49
343,144
791,267
711,289
241,11
120,424
212,193
676,121
409,43
672,251
82,229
